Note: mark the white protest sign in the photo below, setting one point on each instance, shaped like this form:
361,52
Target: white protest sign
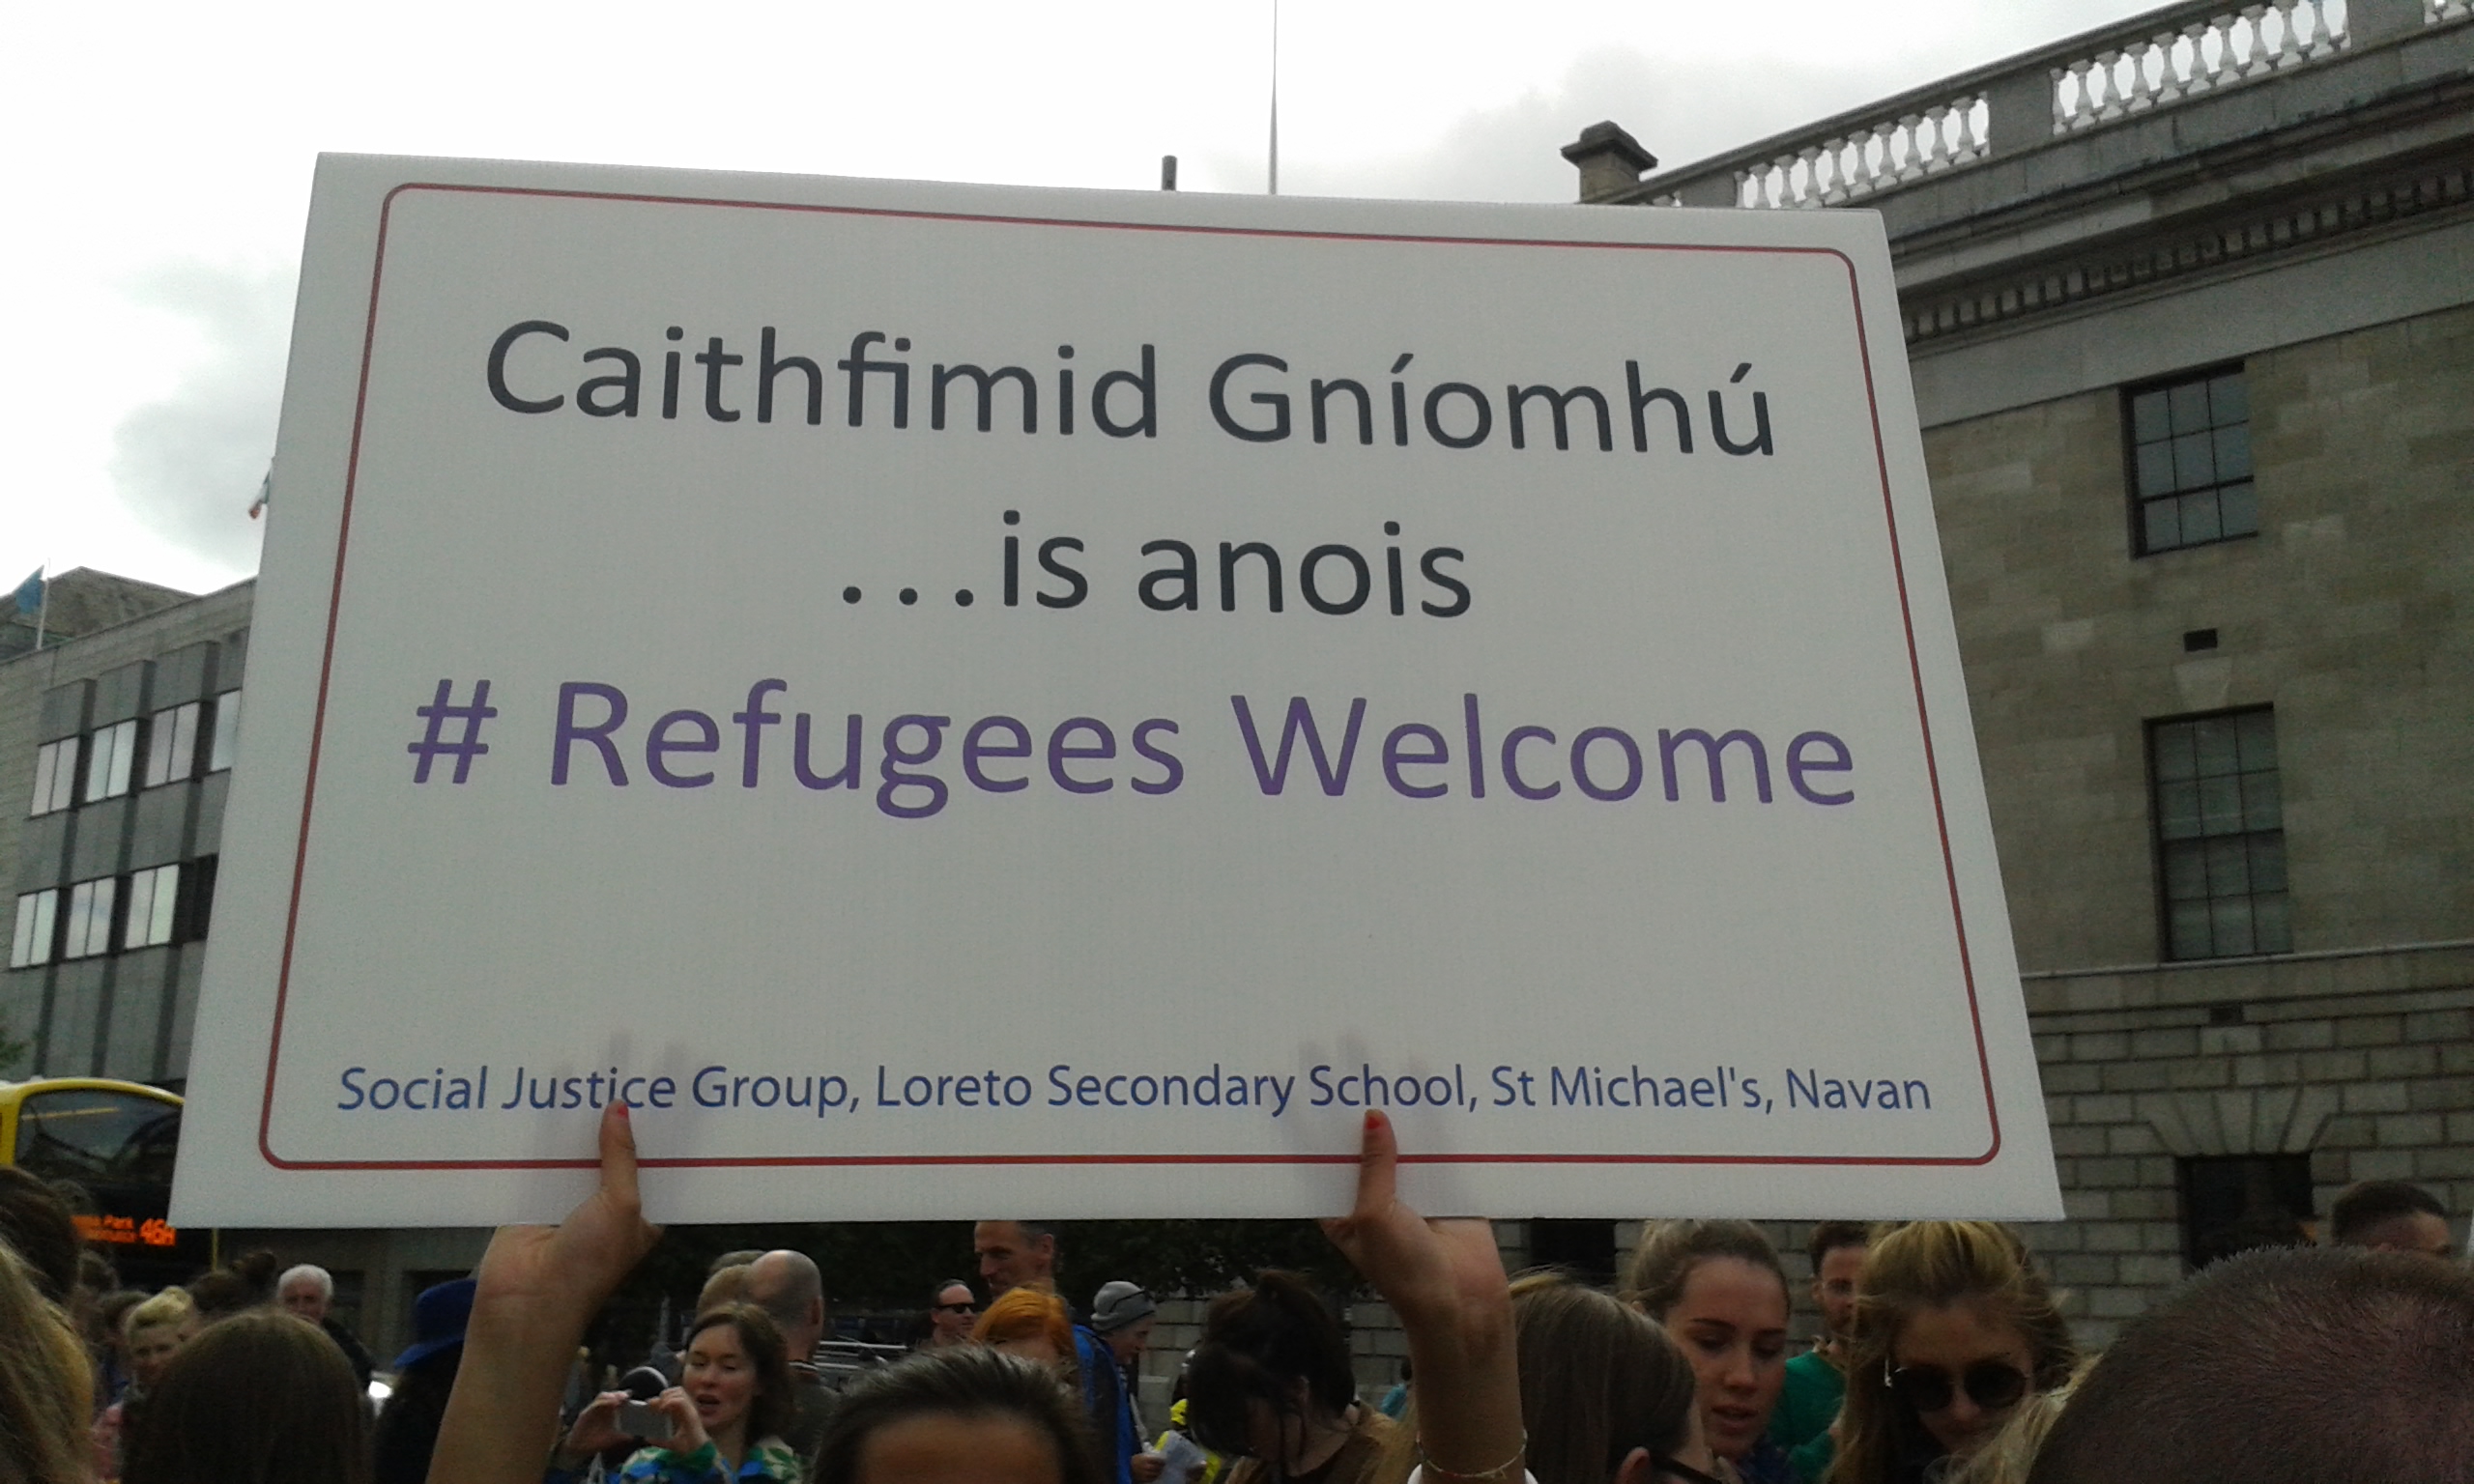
962,701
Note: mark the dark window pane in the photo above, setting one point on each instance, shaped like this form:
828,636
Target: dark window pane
2219,834
2193,460
2227,399
2199,518
2233,451
2185,871
2177,811
2230,925
2177,755
2229,868
2147,417
2220,805
2190,934
2155,469
2189,406
2163,521
2219,744
2239,507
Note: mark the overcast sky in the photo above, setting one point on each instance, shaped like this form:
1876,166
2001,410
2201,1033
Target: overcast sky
161,154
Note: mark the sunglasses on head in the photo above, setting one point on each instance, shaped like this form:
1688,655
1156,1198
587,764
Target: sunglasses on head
1989,1383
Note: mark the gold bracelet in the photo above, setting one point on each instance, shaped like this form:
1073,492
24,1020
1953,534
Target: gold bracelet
1503,1469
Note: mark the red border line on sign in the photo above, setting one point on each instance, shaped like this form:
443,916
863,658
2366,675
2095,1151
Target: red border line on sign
334,606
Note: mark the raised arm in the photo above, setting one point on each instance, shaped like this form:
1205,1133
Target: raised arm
540,1287
1446,1281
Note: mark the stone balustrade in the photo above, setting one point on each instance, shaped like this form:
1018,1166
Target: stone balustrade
2156,61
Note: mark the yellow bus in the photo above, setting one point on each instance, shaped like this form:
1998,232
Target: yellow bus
113,1142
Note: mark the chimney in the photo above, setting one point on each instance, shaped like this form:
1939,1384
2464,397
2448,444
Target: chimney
1610,160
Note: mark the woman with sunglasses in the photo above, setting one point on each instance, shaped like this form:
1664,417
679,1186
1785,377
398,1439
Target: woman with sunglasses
1954,1328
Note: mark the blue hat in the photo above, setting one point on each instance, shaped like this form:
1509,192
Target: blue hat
439,1317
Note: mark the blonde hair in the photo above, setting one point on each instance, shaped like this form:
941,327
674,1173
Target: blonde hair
1933,1265
172,1306
46,1393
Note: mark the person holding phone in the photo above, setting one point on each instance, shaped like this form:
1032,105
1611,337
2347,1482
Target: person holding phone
719,1425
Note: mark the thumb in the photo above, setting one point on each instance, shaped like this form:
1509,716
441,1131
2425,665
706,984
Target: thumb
1377,1176
618,1156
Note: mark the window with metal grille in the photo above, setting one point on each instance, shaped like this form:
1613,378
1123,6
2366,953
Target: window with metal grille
2234,1203
2220,834
1583,1248
2190,462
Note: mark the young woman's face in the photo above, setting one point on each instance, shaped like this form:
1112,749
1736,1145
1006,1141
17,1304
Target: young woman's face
1732,1321
150,1349
1946,1344
720,1378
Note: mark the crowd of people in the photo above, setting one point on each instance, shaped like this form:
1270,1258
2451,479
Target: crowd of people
1943,1358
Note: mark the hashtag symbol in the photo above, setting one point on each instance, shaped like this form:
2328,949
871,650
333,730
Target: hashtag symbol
442,710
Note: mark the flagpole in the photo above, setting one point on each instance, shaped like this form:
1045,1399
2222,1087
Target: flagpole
1275,172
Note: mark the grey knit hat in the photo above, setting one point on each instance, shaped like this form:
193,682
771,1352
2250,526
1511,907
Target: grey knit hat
1119,1304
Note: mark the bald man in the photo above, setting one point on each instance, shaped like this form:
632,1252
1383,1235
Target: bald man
788,1287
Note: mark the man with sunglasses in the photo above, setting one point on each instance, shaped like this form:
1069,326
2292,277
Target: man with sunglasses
951,1312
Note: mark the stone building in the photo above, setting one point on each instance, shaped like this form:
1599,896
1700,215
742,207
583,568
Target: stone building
2190,306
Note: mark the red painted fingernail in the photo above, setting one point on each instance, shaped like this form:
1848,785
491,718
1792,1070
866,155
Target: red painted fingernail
1373,1119
623,1107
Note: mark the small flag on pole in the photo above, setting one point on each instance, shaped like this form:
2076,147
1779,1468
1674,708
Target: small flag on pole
30,593
264,487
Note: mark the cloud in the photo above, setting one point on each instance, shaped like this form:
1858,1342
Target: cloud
187,464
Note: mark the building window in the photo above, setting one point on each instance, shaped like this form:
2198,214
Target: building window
56,775
171,745
2236,1203
2190,462
154,897
90,918
115,755
2220,834
37,915
227,731
1583,1249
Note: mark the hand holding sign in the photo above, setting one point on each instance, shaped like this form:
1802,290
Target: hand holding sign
1445,1279
539,1286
